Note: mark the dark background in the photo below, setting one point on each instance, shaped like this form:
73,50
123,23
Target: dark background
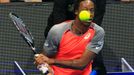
118,24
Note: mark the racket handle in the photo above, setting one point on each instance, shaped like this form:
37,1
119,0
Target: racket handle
34,50
43,68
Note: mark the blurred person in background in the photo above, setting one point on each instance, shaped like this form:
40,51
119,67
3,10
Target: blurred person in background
4,1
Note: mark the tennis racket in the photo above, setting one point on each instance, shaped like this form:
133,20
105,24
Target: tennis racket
28,38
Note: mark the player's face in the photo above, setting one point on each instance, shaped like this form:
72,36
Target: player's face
89,6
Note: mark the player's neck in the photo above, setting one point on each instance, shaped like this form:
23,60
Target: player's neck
78,28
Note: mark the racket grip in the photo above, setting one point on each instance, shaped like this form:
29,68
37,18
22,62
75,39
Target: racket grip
43,68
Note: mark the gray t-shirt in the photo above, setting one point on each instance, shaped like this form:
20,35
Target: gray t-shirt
55,34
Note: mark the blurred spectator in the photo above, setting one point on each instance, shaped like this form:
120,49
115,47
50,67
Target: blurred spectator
61,11
4,1
32,0
26,0
127,0
47,0
17,0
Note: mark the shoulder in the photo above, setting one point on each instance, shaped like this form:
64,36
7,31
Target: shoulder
98,29
57,30
61,26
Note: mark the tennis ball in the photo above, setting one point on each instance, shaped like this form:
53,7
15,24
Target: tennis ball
84,15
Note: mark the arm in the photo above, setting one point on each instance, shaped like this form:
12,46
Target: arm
76,63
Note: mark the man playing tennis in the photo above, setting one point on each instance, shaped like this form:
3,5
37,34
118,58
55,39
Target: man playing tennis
71,46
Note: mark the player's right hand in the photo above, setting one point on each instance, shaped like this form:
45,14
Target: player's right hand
41,59
41,62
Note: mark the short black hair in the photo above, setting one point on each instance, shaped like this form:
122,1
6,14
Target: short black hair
77,4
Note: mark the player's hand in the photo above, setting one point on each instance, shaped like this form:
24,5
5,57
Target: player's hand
41,59
50,70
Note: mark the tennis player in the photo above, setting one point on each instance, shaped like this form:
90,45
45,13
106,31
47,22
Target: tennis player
71,46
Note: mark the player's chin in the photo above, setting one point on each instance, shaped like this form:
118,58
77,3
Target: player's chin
87,23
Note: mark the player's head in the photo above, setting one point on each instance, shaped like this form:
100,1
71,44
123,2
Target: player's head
81,5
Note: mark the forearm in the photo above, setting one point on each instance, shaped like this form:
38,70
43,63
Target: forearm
74,64
81,62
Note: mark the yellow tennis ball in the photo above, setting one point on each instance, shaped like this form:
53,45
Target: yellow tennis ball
84,15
